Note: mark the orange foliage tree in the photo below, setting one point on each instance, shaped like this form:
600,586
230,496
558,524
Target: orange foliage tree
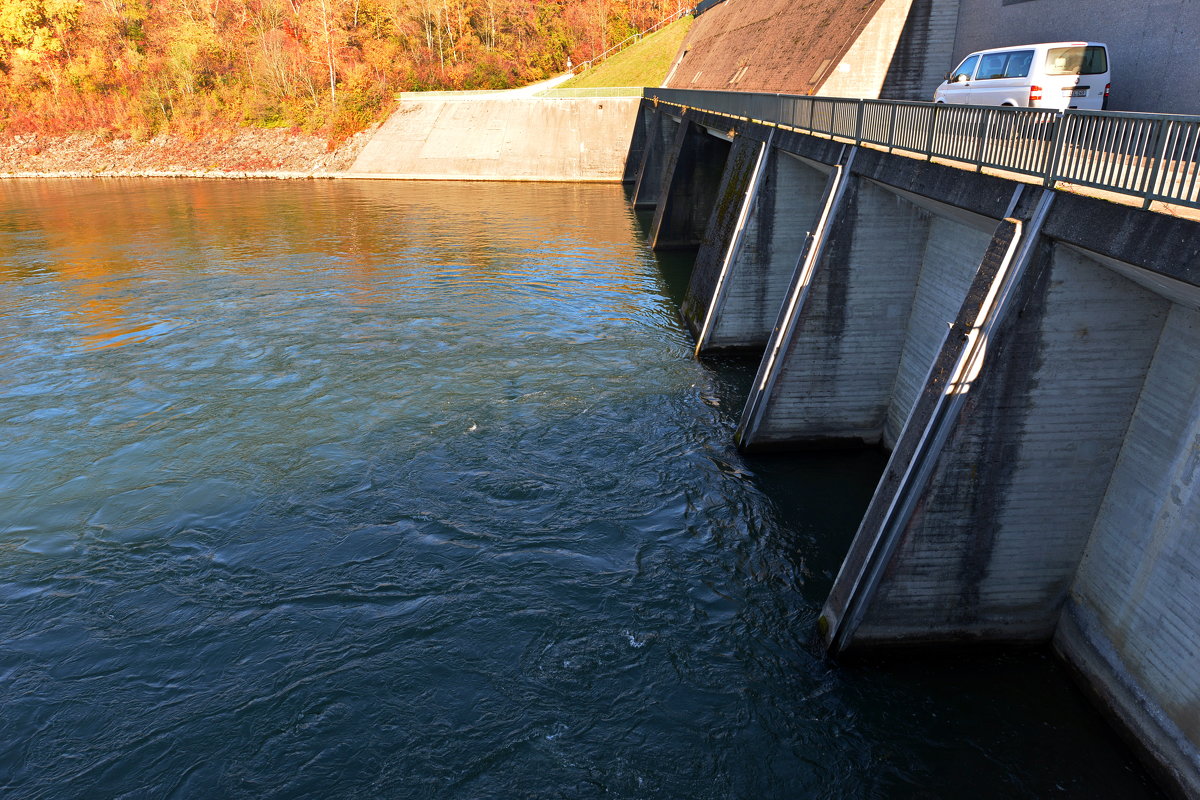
139,67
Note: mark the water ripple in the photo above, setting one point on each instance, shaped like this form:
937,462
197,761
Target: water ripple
377,490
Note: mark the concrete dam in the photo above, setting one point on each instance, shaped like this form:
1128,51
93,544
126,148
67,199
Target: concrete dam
1029,356
1005,300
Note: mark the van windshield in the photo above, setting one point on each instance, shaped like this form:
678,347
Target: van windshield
1091,60
966,69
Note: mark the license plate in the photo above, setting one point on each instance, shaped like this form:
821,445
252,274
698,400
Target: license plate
1077,92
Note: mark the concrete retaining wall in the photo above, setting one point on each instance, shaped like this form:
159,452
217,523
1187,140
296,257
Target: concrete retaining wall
690,185
837,372
720,235
1001,527
952,254
660,139
899,55
502,138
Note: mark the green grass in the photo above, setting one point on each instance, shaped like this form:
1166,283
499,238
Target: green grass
643,64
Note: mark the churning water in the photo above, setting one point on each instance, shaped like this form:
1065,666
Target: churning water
414,490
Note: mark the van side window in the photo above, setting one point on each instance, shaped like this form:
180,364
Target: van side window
1019,63
992,66
965,70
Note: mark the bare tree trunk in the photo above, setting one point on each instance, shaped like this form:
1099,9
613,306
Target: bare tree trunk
325,21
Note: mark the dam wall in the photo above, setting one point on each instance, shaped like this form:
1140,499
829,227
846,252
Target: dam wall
1028,358
902,49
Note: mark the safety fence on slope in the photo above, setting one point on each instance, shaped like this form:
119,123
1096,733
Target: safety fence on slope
601,92
1150,156
629,41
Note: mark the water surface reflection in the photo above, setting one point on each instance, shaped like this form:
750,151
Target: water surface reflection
385,489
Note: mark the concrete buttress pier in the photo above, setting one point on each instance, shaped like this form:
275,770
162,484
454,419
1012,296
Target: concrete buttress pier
876,307
1031,360
659,132
750,252
689,186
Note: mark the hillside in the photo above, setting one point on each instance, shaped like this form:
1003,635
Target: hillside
645,63
140,68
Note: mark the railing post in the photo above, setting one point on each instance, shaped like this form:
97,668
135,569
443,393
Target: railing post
985,119
937,107
1160,155
1060,134
891,137
858,126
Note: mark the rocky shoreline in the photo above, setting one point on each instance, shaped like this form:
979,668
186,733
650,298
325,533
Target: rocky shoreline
245,153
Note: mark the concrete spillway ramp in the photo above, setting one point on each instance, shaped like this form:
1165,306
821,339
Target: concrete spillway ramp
502,136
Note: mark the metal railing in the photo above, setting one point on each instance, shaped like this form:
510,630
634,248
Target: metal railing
1150,156
631,40
598,92
460,94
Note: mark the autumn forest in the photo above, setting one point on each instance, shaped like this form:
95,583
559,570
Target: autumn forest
141,67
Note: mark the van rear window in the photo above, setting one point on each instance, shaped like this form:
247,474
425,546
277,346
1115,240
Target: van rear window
1076,61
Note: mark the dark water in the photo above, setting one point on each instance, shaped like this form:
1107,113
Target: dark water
411,490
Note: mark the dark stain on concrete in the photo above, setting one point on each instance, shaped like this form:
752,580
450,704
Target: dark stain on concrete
1158,242
998,411
719,231
906,73
692,178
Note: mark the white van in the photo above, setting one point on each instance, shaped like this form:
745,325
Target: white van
1050,75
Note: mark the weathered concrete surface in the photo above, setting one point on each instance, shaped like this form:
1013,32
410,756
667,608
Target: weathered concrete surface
1064,503
994,543
498,137
899,54
1135,600
660,138
923,51
1164,247
864,48
837,372
691,179
784,213
871,549
719,232
1147,41
948,267
1166,749
876,311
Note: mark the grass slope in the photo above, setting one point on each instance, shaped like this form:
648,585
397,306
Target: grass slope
643,64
